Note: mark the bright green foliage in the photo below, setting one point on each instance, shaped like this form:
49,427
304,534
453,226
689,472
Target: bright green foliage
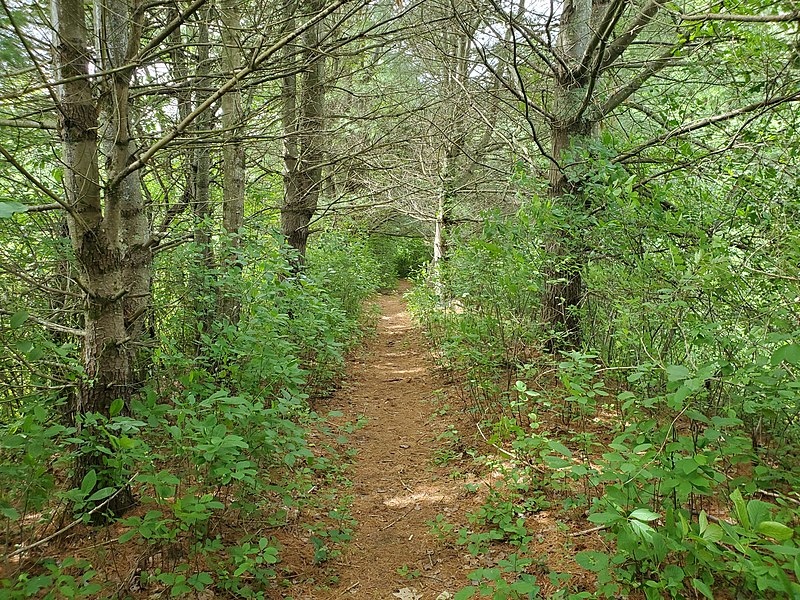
348,267
402,257
683,394
218,430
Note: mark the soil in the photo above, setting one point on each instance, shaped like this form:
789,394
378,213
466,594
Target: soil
398,487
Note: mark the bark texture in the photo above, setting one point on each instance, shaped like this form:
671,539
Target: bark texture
109,233
572,123
233,157
303,114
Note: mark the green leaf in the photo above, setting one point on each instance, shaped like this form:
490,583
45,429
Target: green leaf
17,319
89,481
464,593
560,448
702,588
592,560
127,536
116,407
101,494
605,518
9,209
740,508
9,513
775,530
758,511
642,530
713,533
677,373
789,353
642,514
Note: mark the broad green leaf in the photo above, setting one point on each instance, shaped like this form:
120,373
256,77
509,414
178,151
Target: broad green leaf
703,520
89,481
775,530
758,511
9,513
592,560
677,373
741,508
101,494
128,536
713,533
464,593
642,514
9,209
560,448
116,407
702,588
643,530
789,353
17,319
605,518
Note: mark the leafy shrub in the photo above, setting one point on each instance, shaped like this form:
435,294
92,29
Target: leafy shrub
216,436
682,392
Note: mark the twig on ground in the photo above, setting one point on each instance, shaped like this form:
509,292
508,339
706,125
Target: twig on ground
76,522
352,587
398,519
780,496
588,531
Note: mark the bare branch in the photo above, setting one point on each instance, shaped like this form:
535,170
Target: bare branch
701,123
781,18
27,124
231,83
38,184
636,82
49,325
621,43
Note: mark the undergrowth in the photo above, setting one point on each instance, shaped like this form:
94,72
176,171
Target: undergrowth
215,448
664,447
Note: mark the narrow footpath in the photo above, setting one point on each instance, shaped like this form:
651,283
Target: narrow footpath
402,477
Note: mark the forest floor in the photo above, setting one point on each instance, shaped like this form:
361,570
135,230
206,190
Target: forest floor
405,472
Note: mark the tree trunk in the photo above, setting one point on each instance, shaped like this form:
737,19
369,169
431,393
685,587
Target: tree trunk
303,128
570,127
233,156
96,242
563,288
455,44
205,292
118,27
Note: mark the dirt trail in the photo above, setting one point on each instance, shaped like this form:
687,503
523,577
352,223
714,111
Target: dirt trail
396,483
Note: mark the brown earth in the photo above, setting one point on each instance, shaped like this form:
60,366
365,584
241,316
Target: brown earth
397,485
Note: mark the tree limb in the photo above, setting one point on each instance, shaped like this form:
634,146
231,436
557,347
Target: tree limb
781,18
621,43
38,184
700,123
231,83
636,82
50,325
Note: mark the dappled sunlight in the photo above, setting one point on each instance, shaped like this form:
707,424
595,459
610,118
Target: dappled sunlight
425,494
395,371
